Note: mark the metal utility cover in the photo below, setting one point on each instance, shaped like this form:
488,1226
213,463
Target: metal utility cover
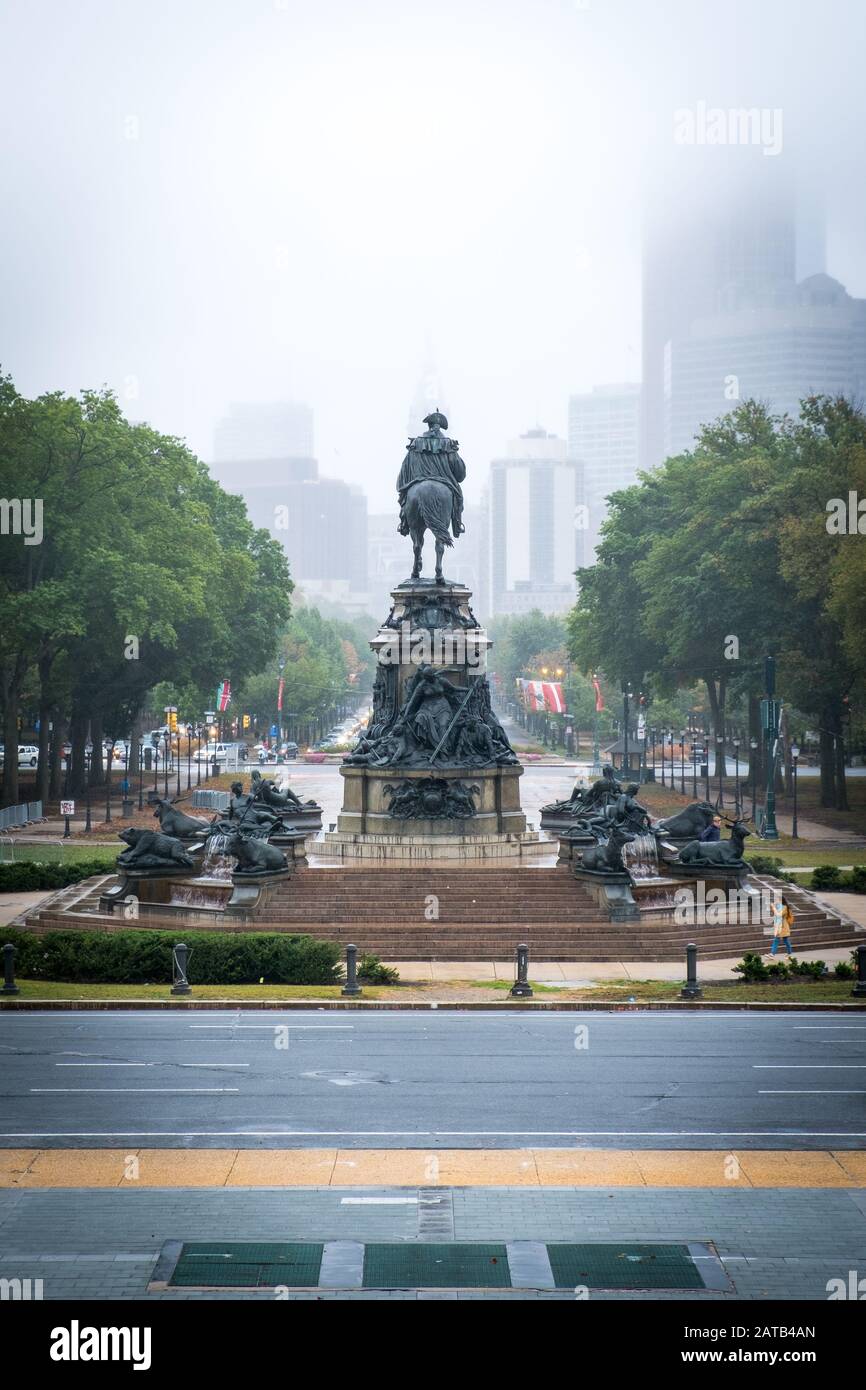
624,1267
429,1266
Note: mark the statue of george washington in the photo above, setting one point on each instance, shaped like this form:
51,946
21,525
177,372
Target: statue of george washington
429,492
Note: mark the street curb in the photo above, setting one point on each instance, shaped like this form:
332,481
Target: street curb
406,1006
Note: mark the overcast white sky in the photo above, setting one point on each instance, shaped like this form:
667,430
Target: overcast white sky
217,200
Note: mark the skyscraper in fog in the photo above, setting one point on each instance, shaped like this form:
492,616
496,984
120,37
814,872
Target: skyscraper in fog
722,223
533,544
793,341
264,452
264,430
603,436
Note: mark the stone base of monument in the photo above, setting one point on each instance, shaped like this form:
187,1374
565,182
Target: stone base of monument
456,849
612,892
485,820
310,822
481,801
562,824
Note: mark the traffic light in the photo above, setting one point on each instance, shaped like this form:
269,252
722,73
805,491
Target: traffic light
246,721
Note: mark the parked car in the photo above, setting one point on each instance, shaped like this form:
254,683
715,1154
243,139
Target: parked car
221,751
28,755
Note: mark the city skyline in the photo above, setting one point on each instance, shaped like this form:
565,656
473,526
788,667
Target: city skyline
245,243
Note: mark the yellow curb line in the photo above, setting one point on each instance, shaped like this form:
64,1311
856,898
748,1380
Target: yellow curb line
575,1167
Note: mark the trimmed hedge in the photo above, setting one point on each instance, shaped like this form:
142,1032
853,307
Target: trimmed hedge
832,879
31,875
144,957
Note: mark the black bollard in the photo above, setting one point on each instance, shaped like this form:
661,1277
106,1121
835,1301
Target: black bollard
9,985
179,959
351,987
860,988
521,989
691,989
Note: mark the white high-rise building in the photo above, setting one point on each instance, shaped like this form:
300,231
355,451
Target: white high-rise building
603,439
533,542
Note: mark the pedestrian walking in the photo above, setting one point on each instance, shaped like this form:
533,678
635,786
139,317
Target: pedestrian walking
784,921
713,830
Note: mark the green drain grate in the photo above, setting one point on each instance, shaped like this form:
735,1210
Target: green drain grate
624,1267
430,1265
235,1265
455,1266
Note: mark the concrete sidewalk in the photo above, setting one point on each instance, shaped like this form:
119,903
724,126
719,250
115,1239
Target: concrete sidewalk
586,973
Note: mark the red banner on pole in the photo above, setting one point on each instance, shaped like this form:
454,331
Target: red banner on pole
599,698
280,694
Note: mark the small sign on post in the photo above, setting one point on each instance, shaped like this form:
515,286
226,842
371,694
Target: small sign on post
67,809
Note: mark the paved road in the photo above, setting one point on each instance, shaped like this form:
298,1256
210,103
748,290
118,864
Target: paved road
425,1079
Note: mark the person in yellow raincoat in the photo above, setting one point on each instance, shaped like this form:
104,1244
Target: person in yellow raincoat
782,924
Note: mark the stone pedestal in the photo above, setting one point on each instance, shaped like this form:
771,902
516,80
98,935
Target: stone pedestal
497,801
422,792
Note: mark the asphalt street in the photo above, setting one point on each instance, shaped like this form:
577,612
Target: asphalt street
432,1079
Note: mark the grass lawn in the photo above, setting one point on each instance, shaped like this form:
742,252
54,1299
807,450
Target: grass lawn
495,992
60,852
830,991
41,989
811,857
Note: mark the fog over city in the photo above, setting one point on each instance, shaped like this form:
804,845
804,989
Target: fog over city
217,201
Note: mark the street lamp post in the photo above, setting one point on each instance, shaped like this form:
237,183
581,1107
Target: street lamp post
108,787
653,742
683,761
178,764
737,777
662,745
140,776
770,716
188,756
626,690
595,752
282,664
167,738
720,748
753,749
795,753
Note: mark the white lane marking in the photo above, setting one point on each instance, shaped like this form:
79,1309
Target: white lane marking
437,1133
378,1201
812,1093
269,1027
808,1066
209,1065
829,1027
132,1090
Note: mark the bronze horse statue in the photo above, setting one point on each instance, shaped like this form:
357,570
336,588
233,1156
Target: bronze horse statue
429,490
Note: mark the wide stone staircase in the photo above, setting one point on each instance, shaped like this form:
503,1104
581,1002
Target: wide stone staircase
466,914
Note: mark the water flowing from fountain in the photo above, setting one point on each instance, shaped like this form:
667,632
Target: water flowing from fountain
210,886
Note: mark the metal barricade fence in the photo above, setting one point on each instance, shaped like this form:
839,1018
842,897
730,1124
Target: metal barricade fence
210,800
22,814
